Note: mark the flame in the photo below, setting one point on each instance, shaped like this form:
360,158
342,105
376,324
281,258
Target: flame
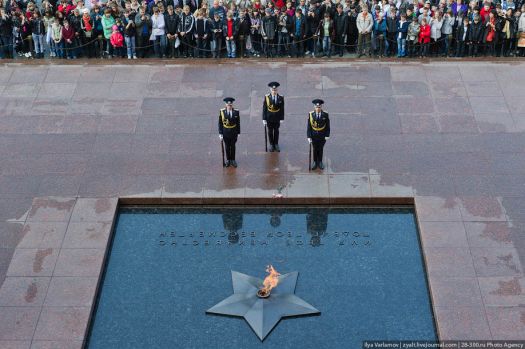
271,280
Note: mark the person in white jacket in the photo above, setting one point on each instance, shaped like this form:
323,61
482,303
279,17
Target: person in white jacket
435,32
364,24
521,33
158,33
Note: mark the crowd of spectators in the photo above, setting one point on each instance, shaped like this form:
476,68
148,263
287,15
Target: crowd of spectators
269,28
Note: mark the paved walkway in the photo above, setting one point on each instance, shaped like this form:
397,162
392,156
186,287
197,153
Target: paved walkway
74,138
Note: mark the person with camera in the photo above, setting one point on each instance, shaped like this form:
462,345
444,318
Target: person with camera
217,37
312,23
283,36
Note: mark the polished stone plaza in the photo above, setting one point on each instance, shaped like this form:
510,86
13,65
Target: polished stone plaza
77,140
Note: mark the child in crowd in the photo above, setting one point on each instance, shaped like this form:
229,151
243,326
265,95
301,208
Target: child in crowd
117,42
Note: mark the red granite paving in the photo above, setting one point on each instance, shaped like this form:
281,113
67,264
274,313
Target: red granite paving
74,138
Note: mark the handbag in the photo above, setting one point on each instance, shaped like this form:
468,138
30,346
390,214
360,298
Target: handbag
177,42
521,40
249,45
490,36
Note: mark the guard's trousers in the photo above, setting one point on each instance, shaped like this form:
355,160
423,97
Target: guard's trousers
273,132
318,145
229,144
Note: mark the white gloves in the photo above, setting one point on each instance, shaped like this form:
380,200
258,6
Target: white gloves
220,137
281,121
264,122
326,137
309,140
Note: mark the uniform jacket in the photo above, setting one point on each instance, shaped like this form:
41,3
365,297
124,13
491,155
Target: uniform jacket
229,126
318,127
274,116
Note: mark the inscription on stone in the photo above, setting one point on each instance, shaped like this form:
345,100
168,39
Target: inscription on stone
262,239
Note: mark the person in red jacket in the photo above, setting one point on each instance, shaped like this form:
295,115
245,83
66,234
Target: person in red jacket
117,41
485,12
68,35
424,38
65,7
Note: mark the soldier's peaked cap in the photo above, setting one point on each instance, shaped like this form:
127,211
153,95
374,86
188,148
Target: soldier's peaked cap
229,100
274,84
318,102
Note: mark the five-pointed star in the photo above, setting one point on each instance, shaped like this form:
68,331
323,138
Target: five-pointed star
262,314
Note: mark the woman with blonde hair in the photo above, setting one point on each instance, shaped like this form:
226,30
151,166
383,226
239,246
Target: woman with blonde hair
205,10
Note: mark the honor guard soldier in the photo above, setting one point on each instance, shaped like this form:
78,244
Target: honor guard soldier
318,131
273,115
229,130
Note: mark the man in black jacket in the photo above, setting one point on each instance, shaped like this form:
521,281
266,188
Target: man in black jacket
351,29
229,129
201,34
74,20
340,24
6,33
312,23
273,115
391,31
462,37
171,20
475,36
245,25
298,32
